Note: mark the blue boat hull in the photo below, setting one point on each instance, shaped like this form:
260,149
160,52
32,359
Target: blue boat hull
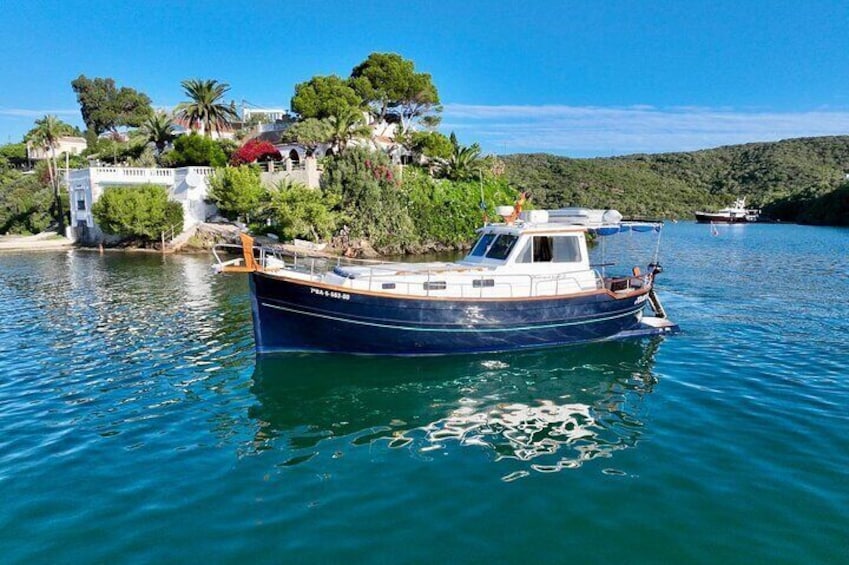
296,316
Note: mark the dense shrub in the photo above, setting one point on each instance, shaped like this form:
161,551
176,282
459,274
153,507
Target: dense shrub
255,150
141,211
194,150
371,200
13,155
830,209
298,211
237,191
446,213
26,204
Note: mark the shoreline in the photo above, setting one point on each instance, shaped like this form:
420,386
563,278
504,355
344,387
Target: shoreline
45,241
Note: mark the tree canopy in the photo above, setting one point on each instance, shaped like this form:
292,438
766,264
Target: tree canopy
105,107
389,84
205,109
158,129
310,133
324,96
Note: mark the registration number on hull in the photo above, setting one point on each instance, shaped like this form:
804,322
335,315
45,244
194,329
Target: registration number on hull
330,293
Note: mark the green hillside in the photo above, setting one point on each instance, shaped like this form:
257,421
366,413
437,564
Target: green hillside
791,180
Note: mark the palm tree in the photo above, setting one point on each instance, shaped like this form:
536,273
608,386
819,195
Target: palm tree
463,163
347,125
46,135
159,130
205,109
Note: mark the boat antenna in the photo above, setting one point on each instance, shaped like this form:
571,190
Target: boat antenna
483,201
657,244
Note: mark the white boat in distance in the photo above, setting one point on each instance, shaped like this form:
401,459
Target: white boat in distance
734,214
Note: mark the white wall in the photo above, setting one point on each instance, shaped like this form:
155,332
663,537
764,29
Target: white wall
187,185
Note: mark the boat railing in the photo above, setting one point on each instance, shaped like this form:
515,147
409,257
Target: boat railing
383,276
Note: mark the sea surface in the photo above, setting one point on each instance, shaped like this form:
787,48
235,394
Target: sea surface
136,425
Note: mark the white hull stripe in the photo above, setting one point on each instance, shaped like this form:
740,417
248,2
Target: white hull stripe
453,330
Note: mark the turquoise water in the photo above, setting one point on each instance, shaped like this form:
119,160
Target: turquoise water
137,427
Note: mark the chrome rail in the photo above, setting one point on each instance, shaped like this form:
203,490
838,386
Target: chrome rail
377,274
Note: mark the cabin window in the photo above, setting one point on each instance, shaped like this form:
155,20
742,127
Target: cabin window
501,247
548,249
435,285
483,283
482,245
387,286
566,250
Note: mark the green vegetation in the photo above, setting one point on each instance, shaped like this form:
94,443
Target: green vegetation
105,107
324,96
434,203
194,150
13,155
237,191
297,211
158,129
784,178
446,213
371,202
26,203
830,209
310,132
46,134
142,212
205,109
389,84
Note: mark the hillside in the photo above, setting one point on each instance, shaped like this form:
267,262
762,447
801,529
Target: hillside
789,179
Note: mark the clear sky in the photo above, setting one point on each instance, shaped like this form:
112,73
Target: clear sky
576,78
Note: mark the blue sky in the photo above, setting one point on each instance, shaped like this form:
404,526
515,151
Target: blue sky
576,78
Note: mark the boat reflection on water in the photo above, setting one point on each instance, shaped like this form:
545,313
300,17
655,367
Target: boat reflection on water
549,410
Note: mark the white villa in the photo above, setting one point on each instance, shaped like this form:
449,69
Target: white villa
189,185
186,185
66,144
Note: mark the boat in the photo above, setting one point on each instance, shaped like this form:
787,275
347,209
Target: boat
737,213
526,283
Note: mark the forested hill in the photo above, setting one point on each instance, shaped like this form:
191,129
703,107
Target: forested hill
791,180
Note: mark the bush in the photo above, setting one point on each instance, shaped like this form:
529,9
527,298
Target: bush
447,213
141,211
236,191
255,150
26,205
371,202
302,212
194,150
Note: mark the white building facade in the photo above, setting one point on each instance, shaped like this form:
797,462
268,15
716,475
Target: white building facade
65,144
186,185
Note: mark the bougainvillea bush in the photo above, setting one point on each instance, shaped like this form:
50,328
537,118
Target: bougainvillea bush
255,150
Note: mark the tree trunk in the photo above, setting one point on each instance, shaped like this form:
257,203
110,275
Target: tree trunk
54,180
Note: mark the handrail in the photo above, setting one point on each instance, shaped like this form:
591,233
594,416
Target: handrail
316,265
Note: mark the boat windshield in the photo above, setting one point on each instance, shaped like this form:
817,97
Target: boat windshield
494,246
501,247
480,248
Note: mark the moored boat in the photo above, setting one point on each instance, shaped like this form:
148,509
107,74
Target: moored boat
734,214
526,283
